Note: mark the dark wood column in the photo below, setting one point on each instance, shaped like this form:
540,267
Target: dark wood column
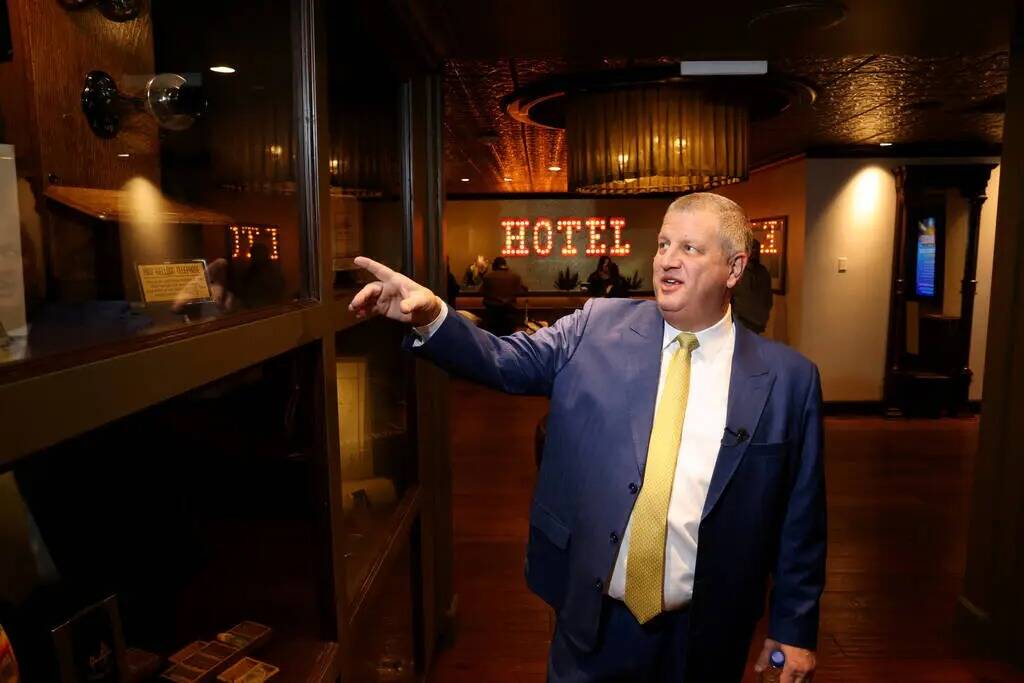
897,297
974,193
993,595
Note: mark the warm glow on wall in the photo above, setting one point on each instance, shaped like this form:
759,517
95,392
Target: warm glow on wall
867,189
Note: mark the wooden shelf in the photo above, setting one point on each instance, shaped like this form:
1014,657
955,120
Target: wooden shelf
107,205
381,535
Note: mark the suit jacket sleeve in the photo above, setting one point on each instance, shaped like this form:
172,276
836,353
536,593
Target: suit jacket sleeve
799,575
518,364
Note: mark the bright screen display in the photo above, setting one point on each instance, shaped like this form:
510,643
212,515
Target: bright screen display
925,281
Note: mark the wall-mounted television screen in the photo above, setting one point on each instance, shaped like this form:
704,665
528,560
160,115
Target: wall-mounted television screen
924,282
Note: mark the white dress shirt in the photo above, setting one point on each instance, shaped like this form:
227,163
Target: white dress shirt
427,331
703,427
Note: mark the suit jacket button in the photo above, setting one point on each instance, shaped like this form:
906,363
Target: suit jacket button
633,487
598,585
614,538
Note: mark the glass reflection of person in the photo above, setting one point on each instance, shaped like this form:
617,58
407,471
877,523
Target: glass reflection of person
263,282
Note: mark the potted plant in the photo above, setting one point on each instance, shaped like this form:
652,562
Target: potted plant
567,280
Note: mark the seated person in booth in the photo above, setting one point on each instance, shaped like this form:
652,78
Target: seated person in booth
475,272
682,468
752,296
499,289
599,280
605,280
618,287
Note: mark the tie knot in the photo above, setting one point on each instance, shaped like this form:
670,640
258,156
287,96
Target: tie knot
687,341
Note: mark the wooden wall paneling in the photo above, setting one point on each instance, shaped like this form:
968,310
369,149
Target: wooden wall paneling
17,124
62,48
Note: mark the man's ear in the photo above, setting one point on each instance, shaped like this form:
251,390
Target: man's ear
737,264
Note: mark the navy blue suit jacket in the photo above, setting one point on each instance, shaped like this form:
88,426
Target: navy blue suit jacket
765,511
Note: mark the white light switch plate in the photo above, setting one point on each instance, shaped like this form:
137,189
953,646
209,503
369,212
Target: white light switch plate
842,264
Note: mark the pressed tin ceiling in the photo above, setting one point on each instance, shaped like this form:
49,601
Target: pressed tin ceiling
918,73
861,101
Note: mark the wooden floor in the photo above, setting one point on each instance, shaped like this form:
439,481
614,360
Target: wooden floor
898,495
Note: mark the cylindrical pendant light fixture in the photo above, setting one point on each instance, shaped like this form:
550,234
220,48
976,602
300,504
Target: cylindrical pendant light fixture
656,138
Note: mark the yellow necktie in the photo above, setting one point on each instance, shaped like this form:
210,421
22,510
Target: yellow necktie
645,565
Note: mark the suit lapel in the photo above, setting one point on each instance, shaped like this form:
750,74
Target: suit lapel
749,385
641,345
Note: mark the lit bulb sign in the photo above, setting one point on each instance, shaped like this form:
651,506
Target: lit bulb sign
768,230
243,237
543,236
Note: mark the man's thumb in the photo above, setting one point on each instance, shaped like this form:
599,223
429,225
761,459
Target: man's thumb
412,302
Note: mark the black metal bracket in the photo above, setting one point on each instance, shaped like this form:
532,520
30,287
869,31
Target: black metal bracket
168,98
103,105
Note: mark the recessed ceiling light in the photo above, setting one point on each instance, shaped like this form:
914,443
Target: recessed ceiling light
554,169
223,69
507,179
885,144
465,180
124,155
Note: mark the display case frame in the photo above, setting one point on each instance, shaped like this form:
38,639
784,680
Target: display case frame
51,399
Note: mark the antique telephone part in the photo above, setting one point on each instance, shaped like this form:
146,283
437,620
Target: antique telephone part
115,10
167,97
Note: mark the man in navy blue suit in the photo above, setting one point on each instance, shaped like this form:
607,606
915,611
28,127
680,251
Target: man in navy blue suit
682,470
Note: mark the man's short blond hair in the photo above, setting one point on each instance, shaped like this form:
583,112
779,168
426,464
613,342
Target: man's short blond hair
733,226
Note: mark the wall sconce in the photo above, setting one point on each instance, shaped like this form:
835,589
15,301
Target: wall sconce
115,10
167,98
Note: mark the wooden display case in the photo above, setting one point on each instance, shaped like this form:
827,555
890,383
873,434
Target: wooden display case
59,403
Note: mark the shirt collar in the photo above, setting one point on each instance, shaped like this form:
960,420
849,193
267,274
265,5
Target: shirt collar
711,339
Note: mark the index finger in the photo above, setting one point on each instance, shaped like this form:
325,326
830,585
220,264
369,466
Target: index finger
378,270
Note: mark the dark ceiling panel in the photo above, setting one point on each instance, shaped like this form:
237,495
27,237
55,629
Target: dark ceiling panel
592,29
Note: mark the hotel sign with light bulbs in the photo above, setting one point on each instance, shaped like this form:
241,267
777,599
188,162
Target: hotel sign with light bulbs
546,234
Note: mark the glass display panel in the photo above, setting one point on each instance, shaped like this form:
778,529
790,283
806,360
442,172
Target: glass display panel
147,170
384,634
173,527
378,456
365,159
